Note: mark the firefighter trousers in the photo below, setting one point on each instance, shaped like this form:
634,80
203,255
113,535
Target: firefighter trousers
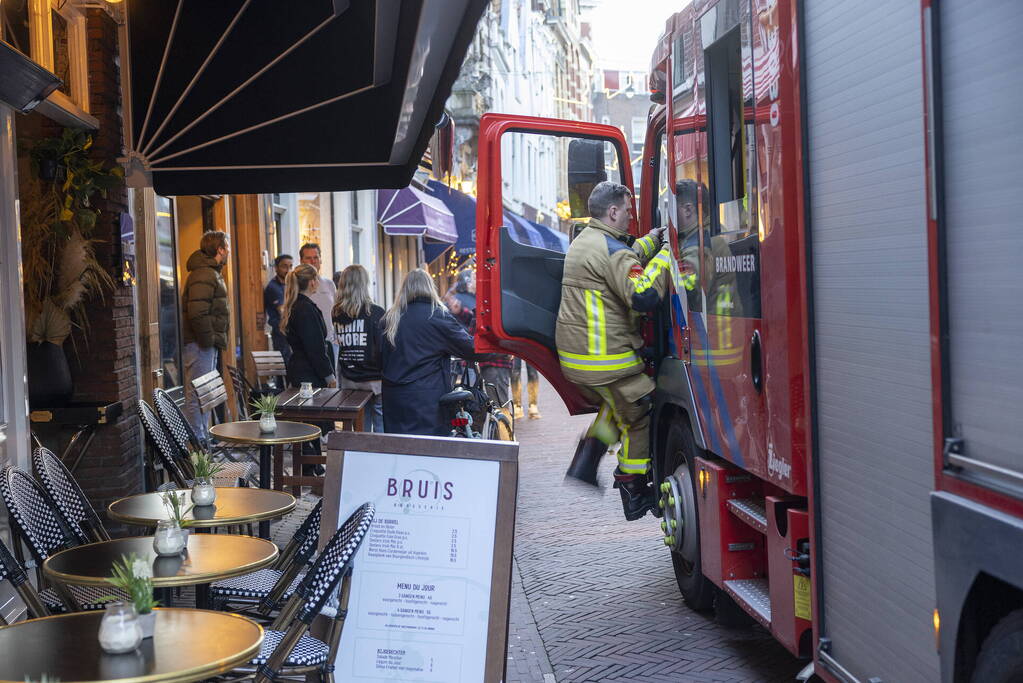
624,416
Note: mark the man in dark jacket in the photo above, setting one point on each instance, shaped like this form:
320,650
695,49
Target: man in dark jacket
273,298
206,319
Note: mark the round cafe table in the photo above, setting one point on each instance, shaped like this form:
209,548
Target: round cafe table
232,506
248,432
187,645
209,558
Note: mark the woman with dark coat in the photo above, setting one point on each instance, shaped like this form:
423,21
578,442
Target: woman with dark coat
420,335
359,335
302,322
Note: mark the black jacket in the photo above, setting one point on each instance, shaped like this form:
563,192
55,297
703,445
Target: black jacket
307,335
415,369
359,341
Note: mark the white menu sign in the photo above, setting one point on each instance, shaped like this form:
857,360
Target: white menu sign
420,597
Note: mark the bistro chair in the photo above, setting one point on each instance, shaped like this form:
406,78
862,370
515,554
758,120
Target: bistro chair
160,445
69,499
242,390
12,571
184,442
265,588
270,366
37,525
288,649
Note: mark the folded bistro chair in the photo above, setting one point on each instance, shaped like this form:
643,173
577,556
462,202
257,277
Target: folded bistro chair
38,526
288,649
12,571
71,504
265,588
160,445
183,443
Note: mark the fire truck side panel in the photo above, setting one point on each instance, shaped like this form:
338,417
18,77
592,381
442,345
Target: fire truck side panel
867,230
974,56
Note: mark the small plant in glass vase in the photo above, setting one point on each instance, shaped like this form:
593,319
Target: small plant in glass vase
205,469
266,407
134,576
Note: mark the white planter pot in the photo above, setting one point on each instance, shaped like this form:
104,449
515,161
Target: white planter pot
148,623
203,492
268,424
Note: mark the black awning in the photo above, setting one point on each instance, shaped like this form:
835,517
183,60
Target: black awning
246,96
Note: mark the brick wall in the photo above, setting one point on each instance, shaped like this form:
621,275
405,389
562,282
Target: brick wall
105,369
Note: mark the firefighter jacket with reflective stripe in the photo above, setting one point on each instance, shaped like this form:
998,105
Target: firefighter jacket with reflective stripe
606,285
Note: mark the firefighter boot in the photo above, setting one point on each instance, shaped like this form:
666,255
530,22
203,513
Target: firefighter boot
638,497
586,460
533,389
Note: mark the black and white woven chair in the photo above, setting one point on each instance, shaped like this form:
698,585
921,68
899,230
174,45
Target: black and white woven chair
288,649
161,446
266,588
36,523
11,570
70,501
182,437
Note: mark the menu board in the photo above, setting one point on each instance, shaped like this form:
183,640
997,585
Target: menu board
419,608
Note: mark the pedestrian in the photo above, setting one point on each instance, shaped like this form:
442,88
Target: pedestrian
609,279
273,299
420,335
360,336
532,389
206,320
303,325
337,279
324,295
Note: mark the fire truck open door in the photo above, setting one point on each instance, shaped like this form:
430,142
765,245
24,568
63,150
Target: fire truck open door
543,170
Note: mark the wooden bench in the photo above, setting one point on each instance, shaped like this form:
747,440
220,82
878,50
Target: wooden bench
270,365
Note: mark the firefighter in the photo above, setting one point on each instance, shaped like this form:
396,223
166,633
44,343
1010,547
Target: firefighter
610,279
719,284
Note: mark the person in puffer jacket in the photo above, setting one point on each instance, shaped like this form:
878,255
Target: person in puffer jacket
206,320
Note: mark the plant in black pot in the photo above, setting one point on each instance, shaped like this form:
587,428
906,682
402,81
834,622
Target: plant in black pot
59,263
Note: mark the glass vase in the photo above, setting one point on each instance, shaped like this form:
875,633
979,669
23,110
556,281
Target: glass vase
203,492
268,424
119,630
168,539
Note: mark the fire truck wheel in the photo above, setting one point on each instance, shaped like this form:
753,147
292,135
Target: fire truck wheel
1001,656
681,521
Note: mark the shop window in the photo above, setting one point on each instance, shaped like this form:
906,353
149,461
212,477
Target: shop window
167,260
355,248
14,18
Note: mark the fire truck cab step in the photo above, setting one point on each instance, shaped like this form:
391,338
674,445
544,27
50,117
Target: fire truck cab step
751,511
754,596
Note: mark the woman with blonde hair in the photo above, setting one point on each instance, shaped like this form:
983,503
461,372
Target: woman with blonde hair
420,335
357,323
302,323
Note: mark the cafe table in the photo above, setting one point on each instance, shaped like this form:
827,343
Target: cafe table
209,557
326,405
187,645
234,505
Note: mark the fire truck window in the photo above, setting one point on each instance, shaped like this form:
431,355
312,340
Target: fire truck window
730,262
546,180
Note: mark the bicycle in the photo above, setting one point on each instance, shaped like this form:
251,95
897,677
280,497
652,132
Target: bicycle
470,395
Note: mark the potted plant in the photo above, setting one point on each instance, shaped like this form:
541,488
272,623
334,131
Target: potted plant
266,408
205,469
176,508
59,263
134,576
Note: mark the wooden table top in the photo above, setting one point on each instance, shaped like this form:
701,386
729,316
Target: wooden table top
248,432
210,557
187,645
233,506
325,404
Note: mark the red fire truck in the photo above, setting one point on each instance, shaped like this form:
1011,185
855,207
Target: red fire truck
836,436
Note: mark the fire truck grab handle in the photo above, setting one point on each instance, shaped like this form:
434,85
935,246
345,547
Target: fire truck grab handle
756,362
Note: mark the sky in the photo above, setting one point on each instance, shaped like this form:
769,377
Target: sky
626,31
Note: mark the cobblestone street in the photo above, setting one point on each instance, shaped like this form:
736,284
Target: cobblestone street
594,597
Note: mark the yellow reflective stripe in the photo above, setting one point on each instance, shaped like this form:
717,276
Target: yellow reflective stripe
599,362
652,270
591,322
646,244
601,326
596,334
